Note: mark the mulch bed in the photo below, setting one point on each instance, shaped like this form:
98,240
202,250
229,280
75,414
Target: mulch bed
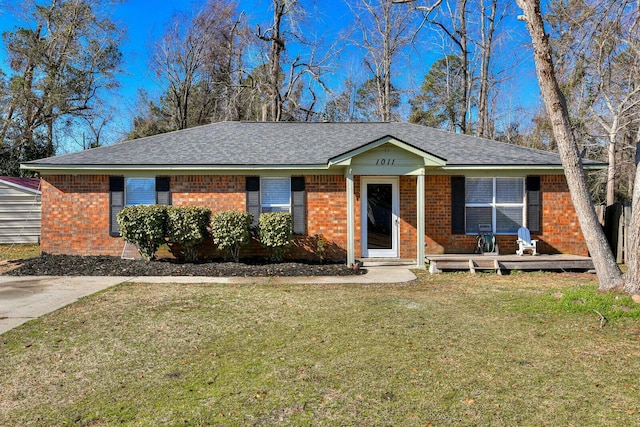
67,265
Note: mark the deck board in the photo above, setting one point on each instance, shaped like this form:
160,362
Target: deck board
497,263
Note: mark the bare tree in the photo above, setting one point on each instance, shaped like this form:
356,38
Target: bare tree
594,45
194,58
58,67
452,21
293,77
472,31
386,27
492,12
609,274
275,38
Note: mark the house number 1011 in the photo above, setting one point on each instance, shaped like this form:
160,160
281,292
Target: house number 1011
385,162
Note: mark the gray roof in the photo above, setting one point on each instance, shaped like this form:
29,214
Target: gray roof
293,143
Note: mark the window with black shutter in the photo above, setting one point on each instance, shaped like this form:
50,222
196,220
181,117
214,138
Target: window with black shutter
457,205
253,198
116,203
274,194
135,191
163,193
534,204
298,205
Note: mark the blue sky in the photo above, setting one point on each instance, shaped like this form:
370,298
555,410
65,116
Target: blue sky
144,21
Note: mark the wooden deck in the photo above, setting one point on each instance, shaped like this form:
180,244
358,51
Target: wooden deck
501,263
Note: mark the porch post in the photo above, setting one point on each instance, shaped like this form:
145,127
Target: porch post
351,226
420,219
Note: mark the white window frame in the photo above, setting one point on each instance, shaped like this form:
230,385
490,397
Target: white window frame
126,190
282,207
495,206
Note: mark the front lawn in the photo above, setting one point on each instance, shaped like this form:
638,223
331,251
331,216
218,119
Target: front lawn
450,349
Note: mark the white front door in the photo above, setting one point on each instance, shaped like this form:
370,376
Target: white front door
380,217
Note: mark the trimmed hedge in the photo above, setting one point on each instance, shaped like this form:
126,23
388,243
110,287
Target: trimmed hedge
187,226
144,226
275,233
148,227
230,231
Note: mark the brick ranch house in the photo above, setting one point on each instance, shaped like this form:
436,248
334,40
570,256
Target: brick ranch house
371,190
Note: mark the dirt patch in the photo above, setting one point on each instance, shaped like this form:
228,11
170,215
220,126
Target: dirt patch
66,265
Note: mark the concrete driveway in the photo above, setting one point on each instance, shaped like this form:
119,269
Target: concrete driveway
23,298
29,297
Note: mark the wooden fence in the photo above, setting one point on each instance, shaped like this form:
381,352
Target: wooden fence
615,222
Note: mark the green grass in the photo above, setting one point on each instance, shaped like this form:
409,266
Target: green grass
450,349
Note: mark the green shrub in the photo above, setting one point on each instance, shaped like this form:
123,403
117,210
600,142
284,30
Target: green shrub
144,226
187,226
230,231
275,233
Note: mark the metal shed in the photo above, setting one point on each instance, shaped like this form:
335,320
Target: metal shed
19,210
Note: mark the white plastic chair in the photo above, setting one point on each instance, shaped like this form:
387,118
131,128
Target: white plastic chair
525,243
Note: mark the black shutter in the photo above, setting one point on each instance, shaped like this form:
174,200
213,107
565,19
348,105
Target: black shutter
116,203
253,197
298,205
534,208
457,205
163,193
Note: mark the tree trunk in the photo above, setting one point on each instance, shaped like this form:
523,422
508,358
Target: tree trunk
611,171
486,31
632,277
464,51
277,47
609,275
386,55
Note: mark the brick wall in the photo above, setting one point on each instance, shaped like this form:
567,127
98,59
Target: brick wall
75,214
560,228
216,192
561,231
408,217
327,213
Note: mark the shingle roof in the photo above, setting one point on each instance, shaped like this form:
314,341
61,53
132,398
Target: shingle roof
28,183
289,143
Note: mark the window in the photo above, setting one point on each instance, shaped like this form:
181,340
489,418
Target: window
135,191
498,202
278,195
140,191
275,195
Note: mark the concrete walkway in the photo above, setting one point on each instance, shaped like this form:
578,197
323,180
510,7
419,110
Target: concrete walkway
23,298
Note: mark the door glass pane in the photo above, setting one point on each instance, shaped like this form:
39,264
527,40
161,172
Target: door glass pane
379,216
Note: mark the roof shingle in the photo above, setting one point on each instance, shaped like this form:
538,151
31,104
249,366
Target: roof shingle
294,143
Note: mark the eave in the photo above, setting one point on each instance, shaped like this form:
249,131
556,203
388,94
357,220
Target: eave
166,168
